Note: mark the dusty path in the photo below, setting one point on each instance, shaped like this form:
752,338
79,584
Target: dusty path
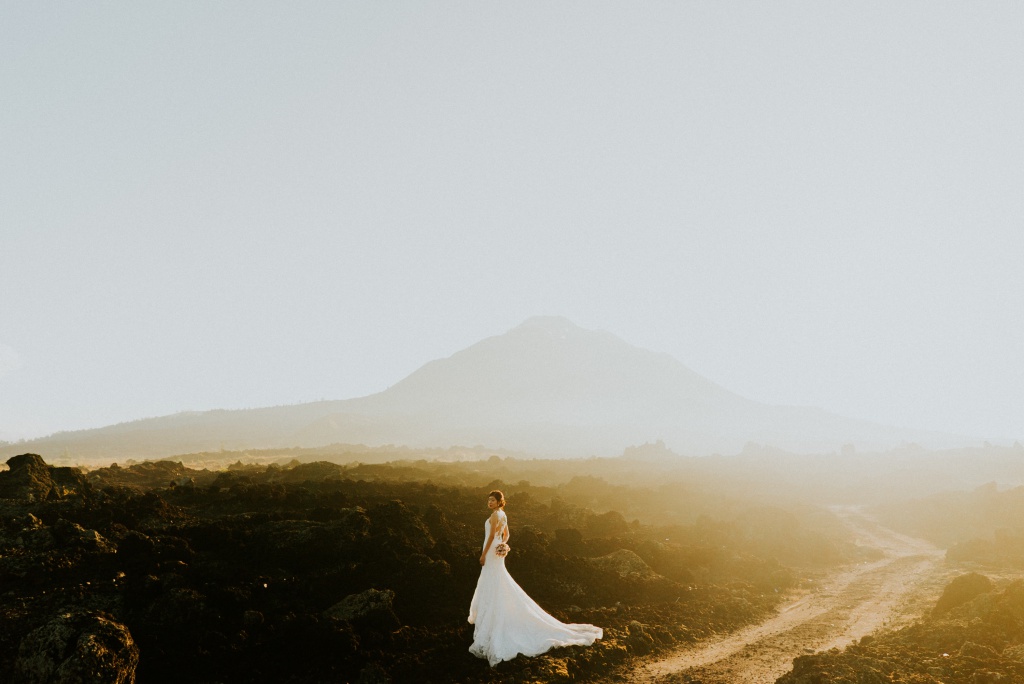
845,607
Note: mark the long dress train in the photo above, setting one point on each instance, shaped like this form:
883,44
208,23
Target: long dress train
507,621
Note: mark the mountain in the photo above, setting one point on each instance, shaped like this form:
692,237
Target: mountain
546,387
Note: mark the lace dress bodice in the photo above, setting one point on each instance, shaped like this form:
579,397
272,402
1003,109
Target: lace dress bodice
499,532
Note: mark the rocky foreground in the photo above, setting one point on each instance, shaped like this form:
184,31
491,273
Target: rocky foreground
316,572
324,573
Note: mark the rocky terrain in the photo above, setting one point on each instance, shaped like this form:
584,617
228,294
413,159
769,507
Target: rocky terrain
974,632
290,571
974,635
318,572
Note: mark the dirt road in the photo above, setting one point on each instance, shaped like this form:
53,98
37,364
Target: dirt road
844,607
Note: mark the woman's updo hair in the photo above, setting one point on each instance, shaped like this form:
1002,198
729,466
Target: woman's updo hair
499,497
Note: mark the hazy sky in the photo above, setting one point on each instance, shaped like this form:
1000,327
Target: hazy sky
221,205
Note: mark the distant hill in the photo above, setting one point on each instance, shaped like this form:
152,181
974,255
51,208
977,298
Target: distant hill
547,387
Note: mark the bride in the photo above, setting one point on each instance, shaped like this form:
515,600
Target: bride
507,621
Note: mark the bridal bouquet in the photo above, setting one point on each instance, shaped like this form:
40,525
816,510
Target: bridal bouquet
501,550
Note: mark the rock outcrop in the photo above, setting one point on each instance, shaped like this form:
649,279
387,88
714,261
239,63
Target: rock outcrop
627,565
371,608
77,648
961,590
30,479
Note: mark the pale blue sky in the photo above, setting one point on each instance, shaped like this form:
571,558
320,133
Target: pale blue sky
221,205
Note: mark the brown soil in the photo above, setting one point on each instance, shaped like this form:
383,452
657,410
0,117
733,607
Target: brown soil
826,612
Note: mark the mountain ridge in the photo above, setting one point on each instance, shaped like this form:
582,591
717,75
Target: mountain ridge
546,386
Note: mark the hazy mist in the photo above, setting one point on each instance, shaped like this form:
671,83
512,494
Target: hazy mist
239,206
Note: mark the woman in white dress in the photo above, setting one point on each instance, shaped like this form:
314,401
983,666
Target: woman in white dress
507,621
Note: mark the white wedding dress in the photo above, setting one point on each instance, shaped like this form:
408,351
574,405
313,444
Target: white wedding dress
507,621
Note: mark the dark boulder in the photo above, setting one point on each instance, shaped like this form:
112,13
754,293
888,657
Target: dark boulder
627,565
978,651
311,472
400,529
371,609
77,648
35,536
27,479
68,482
640,639
140,553
1008,611
69,534
142,476
307,543
136,552
822,668
961,590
